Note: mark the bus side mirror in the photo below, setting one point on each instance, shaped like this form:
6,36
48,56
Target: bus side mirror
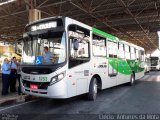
18,48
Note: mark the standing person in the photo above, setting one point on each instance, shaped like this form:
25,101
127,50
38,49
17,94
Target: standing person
13,75
18,77
47,57
5,76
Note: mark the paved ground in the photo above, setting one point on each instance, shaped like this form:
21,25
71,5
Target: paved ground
10,98
142,98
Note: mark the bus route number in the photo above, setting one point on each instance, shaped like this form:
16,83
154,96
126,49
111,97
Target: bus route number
44,79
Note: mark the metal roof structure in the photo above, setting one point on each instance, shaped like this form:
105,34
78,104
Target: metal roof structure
136,21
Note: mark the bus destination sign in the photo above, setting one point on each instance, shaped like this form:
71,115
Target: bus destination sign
44,26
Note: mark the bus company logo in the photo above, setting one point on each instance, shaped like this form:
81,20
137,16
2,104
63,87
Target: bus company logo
102,66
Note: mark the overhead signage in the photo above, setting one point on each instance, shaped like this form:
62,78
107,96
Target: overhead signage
44,26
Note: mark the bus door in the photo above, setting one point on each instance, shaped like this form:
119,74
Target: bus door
112,61
79,57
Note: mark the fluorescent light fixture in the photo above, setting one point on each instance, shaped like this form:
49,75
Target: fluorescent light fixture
6,2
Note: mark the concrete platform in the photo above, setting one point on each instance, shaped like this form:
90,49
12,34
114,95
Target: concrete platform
11,97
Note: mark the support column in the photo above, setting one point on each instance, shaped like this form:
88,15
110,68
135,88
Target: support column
34,15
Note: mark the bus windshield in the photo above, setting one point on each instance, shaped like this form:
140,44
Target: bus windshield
45,48
154,61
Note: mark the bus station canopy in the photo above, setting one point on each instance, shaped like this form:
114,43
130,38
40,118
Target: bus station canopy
135,21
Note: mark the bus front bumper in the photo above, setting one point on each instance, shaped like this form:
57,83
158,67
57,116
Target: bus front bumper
57,90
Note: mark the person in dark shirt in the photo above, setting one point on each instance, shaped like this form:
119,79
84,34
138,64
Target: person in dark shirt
18,77
13,75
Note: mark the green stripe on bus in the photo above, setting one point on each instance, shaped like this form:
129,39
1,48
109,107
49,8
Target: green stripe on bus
109,36
125,67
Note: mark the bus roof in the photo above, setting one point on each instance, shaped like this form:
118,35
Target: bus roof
114,38
109,36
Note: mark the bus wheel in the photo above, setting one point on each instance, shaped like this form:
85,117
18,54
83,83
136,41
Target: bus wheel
92,89
132,80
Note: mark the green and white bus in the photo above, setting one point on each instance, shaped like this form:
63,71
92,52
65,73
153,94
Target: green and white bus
84,60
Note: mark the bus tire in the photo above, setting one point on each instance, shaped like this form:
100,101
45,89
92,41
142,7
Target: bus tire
132,80
92,94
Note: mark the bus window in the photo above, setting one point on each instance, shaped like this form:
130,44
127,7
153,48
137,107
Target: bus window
127,52
133,54
112,49
99,46
115,49
79,48
141,55
112,54
121,52
137,54
79,45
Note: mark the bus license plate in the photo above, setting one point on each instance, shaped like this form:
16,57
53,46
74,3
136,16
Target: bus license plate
33,86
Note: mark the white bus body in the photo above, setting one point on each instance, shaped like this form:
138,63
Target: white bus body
98,57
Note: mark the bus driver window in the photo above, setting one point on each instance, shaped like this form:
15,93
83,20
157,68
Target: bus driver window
78,45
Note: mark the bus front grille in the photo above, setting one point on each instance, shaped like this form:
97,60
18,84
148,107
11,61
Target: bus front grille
41,85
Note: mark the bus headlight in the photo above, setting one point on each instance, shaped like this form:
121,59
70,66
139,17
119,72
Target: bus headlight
57,78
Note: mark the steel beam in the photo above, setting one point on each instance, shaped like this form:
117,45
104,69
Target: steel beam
102,22
130,13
